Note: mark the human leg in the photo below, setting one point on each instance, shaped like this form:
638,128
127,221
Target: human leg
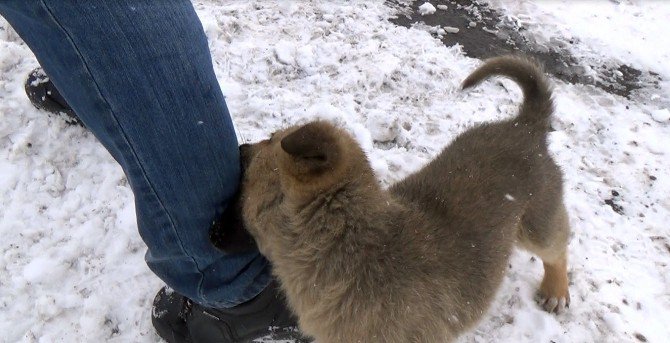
139,75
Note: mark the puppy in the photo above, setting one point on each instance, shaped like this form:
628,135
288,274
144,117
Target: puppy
421,261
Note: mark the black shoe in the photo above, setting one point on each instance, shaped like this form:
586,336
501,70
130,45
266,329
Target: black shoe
179,320
44,95
168,314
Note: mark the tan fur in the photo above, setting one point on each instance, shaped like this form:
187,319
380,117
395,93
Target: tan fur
421,261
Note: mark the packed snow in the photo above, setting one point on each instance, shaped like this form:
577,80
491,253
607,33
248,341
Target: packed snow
72,268
661,116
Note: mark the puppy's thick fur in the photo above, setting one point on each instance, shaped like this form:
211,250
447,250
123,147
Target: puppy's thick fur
419,262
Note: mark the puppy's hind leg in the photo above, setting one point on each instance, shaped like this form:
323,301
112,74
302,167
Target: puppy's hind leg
544,231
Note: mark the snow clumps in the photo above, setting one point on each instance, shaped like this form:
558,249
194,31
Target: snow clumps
427,8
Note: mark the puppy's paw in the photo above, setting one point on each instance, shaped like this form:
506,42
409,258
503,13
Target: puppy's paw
554,303
553,295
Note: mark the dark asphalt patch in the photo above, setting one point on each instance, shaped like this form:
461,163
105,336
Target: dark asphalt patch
495,34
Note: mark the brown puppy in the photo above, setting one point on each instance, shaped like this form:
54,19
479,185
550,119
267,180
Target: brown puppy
419,262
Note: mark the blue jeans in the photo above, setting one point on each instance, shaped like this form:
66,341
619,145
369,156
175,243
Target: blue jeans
139,75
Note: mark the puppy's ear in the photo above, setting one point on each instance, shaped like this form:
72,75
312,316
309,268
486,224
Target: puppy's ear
313,148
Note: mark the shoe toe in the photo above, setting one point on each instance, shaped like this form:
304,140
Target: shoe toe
44,96
168,315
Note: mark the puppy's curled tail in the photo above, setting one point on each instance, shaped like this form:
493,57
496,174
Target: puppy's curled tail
537,105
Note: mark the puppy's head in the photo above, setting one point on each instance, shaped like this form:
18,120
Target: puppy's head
288,171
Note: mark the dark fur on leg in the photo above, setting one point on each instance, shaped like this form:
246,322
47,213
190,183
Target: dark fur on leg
228,234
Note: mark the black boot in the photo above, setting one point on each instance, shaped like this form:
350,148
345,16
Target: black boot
178,320
44,95
168,314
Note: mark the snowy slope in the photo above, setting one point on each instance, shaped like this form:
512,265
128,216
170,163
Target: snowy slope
72,269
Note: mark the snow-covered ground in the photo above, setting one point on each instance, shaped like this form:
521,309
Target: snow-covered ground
71,263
